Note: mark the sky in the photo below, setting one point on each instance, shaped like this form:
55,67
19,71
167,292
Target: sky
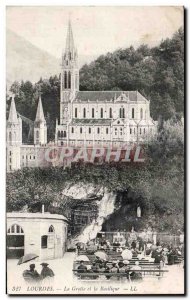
97,30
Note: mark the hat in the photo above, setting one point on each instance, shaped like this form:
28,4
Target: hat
126,262
44,264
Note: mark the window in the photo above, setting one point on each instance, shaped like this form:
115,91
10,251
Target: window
140,130
81,130
10,136
51,229
10,153
65,80
101,113
84,113
92,112
122,113
72,130
133,113
69,80
75,112
10,159
130,130
59,134
37,134
34,157
64,134
141,114
111,116
144,130
15,229
89,130
106,130
44,241
98,130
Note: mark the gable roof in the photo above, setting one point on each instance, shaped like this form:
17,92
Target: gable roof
94,96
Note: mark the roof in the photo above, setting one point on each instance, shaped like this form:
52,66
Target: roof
94,96
12,112
36,216
91,122
40,112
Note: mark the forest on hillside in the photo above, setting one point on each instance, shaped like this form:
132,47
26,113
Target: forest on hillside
157,73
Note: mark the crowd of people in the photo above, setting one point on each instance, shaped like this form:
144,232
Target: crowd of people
111,270
138,249
32,274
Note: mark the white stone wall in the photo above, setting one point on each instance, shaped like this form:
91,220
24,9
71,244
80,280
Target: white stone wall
35,228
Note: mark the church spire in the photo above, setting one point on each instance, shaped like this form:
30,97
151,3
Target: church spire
69,41
40,112
12,112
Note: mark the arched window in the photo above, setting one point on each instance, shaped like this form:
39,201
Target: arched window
92,112
72,129
120,112
80,129
15,229
98,130
69,80
84,113
111,116
64,134
75,112
141,114
133,113
51,229
10,136
101,113
65,80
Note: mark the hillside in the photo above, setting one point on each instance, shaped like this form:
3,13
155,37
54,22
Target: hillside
27,62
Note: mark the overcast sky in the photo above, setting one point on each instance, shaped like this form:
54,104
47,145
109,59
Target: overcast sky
96,30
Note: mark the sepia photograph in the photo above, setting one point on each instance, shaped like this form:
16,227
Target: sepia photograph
95,199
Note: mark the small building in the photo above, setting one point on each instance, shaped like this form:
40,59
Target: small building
43,234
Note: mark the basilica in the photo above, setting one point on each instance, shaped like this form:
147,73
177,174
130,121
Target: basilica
87,118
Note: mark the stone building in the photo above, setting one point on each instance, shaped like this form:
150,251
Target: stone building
87,118
43,234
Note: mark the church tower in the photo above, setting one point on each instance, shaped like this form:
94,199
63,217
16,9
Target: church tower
14,138
40,128
69,76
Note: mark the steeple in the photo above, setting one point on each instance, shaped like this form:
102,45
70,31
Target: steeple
69,41
40,112
69,75
12,112
40,128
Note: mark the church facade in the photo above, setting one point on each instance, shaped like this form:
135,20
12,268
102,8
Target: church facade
87,118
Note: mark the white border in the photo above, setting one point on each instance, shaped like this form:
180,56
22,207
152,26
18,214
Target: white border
3,4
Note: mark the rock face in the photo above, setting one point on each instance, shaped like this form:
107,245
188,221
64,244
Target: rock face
89,207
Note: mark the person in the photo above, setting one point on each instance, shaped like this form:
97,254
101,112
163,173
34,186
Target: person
31,275
82,268
46,271
136,274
